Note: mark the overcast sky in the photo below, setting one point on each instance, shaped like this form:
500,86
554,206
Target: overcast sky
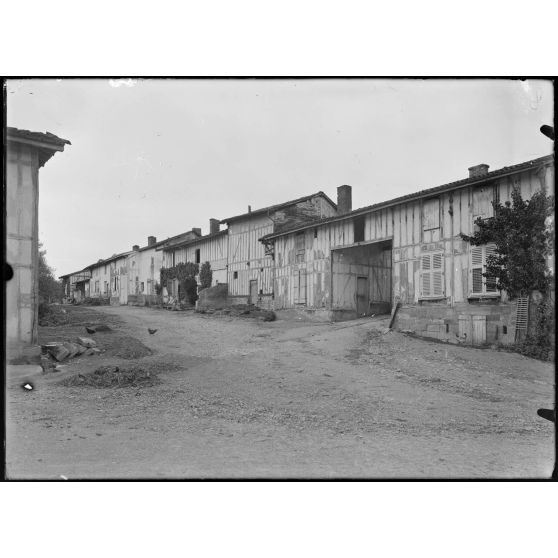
158,157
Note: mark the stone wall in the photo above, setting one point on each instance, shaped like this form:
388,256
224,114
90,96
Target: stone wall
456,323
213,297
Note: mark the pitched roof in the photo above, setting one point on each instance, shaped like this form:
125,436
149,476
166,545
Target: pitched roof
272,208
73,273
181,243
504,171
46,143
108,260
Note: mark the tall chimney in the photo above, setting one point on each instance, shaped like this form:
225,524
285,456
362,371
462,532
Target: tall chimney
135,247
478,170
151,240
196,231
213,226
344,199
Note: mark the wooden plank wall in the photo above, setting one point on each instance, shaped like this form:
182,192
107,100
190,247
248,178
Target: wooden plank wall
403,224
246,256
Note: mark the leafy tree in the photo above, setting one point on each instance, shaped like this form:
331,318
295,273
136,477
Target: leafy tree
50,289
523,234
206,275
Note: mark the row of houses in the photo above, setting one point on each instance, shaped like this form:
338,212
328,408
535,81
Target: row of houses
236,255
334,262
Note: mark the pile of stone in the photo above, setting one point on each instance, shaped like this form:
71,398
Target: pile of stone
59,351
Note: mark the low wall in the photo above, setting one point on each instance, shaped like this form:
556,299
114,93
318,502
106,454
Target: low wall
455,323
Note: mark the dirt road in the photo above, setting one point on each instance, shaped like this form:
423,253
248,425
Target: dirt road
243,398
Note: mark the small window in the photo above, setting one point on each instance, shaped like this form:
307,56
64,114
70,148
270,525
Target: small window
300,247
432,275
235,274
316,232
142,287
173,259
198,258
358,227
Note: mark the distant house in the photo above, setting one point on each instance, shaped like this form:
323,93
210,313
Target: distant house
26,153
76,285
109,279
407,249
250,272
144,269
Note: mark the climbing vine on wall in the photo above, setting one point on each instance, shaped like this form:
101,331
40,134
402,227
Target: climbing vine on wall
185,274
206,275
522,232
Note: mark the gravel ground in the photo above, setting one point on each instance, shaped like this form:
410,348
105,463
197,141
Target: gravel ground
241,398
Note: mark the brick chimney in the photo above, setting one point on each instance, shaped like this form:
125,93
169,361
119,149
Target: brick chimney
213,226
151,240
344,199
196,231
135,247
478,170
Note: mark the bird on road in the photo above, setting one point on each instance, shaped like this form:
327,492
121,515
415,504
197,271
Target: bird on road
90,330
152,331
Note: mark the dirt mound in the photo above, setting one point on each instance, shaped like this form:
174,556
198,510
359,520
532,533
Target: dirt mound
123,346
113,376
242,311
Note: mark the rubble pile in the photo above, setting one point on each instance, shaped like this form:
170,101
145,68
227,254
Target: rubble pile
65,350
113,376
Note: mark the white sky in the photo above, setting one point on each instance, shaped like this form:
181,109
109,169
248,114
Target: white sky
158,157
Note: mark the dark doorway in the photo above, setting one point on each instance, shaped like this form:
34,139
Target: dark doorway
253,291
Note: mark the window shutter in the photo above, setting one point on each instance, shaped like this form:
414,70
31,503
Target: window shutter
425,274
477,269
437,275
432,275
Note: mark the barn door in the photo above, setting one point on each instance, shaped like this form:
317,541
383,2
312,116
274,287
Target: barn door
362,300
479,330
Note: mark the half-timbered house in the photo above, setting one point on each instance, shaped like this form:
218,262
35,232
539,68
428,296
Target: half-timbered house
250,272
407,250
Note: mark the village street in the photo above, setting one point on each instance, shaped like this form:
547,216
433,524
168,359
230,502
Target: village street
241,398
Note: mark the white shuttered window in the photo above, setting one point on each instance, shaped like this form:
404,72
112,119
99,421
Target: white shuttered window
432,275
480,285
